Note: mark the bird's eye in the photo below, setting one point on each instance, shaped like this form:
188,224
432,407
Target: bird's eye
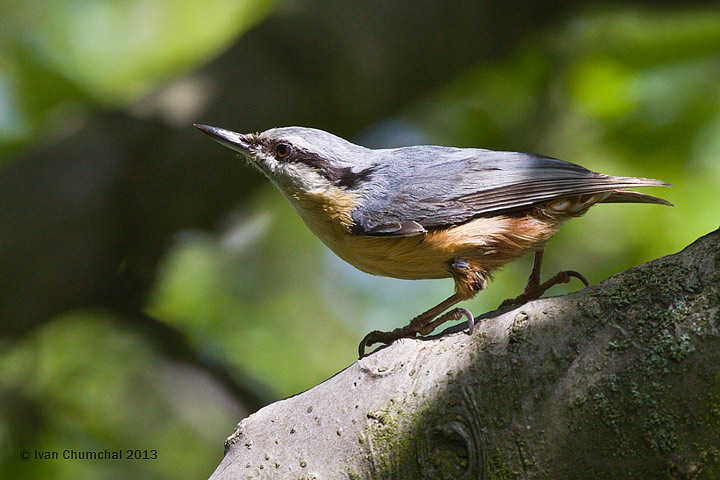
282,150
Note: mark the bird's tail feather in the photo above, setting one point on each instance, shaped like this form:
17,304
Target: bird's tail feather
628,196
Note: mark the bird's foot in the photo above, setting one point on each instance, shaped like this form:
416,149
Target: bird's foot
418,325
534,290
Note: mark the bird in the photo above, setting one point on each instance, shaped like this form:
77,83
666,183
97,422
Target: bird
428,211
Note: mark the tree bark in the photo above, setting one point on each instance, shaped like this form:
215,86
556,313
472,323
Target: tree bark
620,380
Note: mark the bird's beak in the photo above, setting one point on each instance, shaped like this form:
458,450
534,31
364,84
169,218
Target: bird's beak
235,141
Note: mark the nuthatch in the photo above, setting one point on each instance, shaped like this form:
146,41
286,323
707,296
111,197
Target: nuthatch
428,211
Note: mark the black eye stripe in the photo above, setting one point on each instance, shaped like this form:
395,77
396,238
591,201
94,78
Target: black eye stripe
341,176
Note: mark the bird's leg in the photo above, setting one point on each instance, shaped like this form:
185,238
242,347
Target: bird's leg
469,280
534,289
423,324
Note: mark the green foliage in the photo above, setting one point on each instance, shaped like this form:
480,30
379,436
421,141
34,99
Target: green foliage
60,57
251,299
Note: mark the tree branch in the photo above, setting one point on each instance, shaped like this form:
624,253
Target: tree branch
619,380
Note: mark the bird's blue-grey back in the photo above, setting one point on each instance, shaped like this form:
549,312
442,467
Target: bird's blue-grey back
437,187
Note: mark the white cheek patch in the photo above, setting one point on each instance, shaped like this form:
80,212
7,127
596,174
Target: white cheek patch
298,177
292,177
266,163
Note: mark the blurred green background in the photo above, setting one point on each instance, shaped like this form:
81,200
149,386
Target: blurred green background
154,291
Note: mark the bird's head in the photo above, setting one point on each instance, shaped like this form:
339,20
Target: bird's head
298,159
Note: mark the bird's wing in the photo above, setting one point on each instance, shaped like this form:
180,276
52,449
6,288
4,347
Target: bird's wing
456,185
